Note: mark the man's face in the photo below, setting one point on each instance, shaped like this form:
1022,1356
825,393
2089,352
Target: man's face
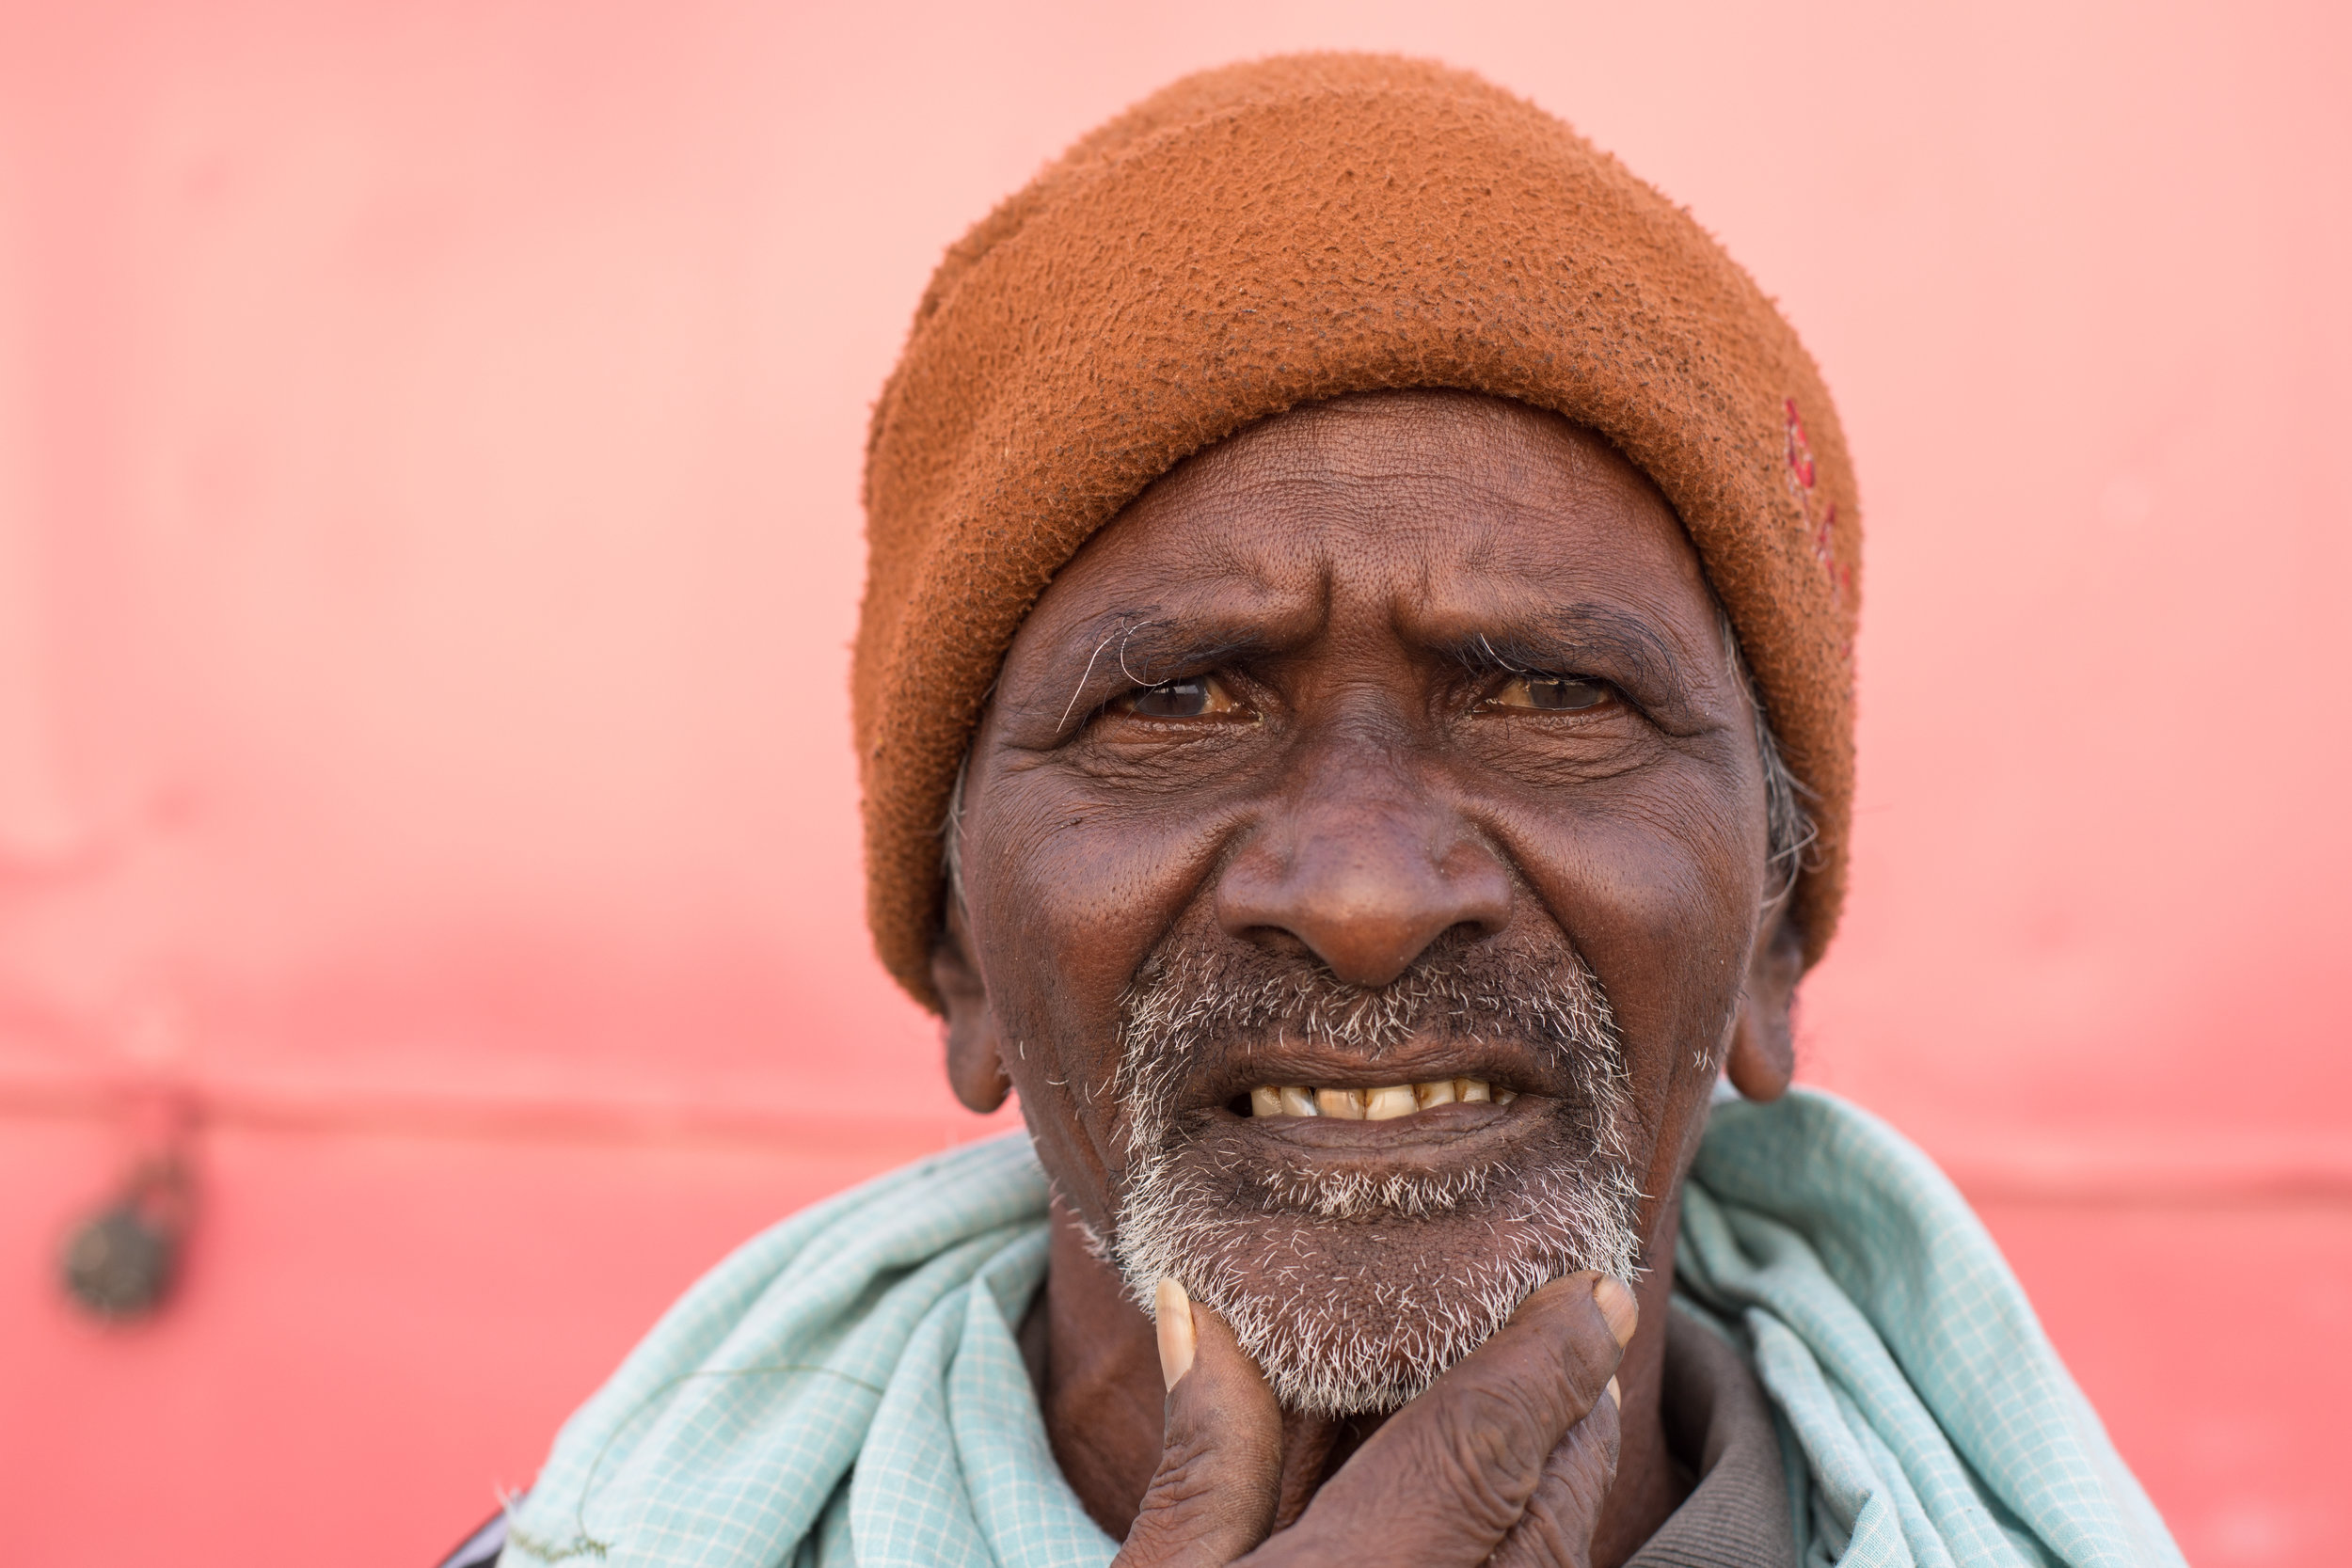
1361,858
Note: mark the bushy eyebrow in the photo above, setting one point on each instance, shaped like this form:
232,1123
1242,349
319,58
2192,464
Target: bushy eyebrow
1146,648
1579,640
1139,646
1161,651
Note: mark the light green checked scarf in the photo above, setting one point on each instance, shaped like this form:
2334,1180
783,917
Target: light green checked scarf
845,1389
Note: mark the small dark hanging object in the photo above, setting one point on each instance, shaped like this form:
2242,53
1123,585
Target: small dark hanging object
119,1262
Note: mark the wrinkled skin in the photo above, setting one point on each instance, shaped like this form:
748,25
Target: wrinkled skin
1245,713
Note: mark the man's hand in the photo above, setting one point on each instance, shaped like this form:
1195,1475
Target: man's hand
1505,1459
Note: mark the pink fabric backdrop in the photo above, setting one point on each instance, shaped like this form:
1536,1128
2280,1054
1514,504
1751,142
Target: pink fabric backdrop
429,442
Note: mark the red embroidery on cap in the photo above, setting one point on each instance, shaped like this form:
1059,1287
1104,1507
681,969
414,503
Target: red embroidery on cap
1802,476
1800,450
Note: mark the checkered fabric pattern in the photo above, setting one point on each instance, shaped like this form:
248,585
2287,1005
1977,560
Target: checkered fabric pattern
845,1389
1924,1414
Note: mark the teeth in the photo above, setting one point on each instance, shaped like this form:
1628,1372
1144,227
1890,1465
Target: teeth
1345,1103
1380,1104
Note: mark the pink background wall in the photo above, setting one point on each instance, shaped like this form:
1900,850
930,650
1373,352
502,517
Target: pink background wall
429,438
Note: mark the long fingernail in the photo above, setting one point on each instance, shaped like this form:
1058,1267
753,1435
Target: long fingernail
1171,1314
1616,1397
1616,1304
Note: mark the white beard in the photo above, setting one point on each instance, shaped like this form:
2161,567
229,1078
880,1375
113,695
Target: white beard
1309,1271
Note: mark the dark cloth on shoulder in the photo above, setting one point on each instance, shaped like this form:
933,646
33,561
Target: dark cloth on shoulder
1719,1423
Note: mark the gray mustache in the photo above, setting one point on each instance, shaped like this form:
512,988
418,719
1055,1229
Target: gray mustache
1185,1000
1459,993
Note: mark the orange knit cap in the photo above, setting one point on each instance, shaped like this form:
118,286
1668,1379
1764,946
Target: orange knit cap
1270,234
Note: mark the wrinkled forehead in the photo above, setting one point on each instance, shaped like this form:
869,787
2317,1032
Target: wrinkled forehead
1439,517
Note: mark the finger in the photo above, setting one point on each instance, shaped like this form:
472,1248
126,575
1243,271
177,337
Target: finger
1220,1472
1447,1478
1556,1530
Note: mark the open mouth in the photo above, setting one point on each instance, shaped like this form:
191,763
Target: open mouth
1424,1123
1384,1104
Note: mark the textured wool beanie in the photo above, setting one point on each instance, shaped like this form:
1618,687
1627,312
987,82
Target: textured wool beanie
1276,233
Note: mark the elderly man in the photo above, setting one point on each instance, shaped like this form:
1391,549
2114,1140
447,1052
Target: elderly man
1355,707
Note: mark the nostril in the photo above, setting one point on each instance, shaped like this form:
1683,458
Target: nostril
1282,943
1363,892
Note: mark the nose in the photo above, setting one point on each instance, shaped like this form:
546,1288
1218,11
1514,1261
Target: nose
1365,869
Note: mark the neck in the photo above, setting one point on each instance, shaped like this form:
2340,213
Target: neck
1096,1364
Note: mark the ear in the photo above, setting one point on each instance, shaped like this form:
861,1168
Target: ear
975,1057
1763,1051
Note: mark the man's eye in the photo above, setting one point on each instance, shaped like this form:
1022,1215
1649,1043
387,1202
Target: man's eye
1549,693
1193,697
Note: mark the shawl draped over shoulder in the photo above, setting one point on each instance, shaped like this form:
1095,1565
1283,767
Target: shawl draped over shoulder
845,1389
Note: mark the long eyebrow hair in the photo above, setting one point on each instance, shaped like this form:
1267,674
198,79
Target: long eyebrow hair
1580,638
1146,649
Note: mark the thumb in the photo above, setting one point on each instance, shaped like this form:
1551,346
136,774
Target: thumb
1213,1497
